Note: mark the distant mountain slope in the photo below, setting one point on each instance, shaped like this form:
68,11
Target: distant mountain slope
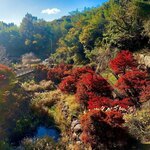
77,38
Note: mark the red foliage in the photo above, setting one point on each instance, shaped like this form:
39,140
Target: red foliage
68,85
2,77
92,84
114,118
5,72
57,73
4,68
41,72
123,62
98,102
132,80
103,129
145,93
133,83
124,103
86,122
77,72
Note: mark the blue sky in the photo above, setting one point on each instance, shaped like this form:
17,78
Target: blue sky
15,10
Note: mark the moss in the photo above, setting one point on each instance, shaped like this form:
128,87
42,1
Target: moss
108,75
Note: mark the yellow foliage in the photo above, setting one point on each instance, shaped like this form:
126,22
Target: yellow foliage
34,87
42,102
109,76
139,124
73,106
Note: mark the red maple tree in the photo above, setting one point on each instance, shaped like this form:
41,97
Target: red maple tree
98,102
132,83
145,93
123,62
78,71
57,73
69,83
104,130
92,84
124,103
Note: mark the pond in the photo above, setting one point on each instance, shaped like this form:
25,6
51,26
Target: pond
43,131
40,132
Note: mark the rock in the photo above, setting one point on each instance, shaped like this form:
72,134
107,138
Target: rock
74,123
78,142
143,59
77,128
74,136
123,110
147,61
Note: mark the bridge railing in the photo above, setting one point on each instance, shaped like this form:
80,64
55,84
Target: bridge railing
22,72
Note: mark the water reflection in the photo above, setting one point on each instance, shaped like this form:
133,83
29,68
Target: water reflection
50,132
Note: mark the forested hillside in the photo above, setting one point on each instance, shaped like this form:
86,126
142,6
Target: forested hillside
118,23
80,82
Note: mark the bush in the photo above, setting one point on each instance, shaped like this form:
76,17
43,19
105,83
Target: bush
106,104
42,102
41,73
14,104
5,146
57,73
41,86
45,143
6,74
104,130
69,84
124,103
78,71
133,83
123,62
63,112
92,85
98,102
145,93
25,126
139,124
73,106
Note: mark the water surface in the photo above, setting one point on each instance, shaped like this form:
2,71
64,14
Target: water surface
52,132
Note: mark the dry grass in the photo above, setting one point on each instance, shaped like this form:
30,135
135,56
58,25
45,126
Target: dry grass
58,106
41,86
73,108
139,124
43,102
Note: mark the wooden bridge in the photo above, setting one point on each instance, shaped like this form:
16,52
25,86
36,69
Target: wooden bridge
23,72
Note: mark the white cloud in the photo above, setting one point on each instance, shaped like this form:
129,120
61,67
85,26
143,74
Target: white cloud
51,11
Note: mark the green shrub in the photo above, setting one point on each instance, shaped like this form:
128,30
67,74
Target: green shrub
5,146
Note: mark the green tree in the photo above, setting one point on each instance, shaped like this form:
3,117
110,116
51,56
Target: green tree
125,23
